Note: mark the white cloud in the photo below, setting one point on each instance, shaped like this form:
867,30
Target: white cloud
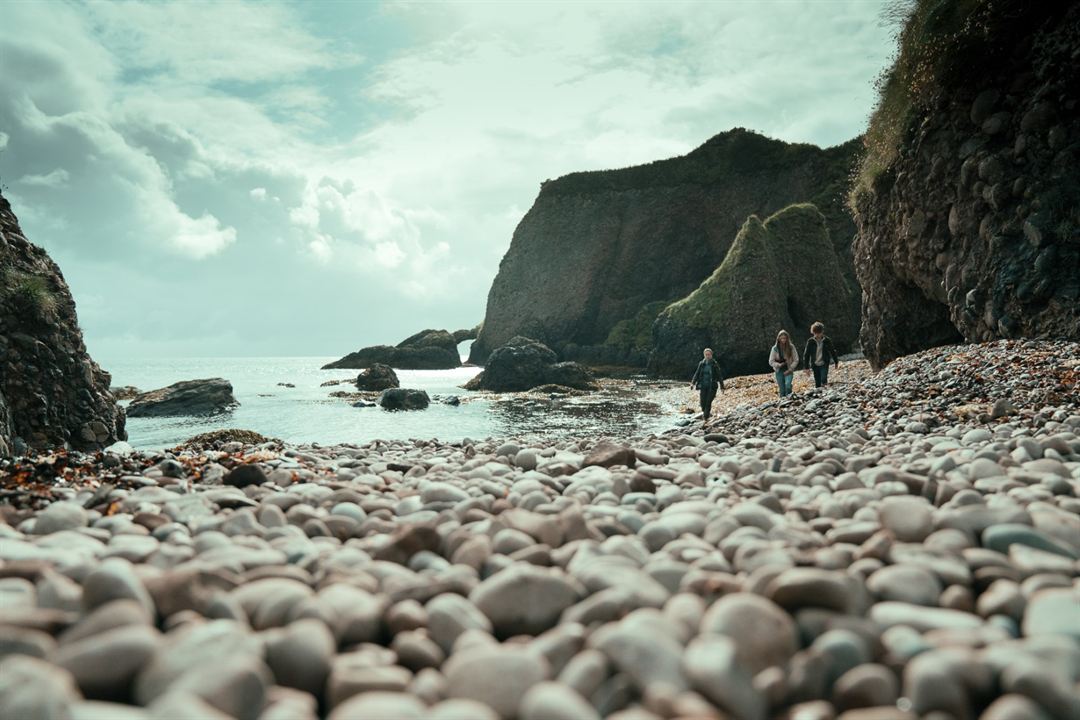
55,179
258,193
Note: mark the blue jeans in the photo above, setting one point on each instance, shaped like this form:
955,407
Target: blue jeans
821,375
783,381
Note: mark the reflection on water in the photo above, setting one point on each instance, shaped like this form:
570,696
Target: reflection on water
621,408
306,413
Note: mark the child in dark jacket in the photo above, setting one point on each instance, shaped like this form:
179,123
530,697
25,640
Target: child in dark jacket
819,352
707,378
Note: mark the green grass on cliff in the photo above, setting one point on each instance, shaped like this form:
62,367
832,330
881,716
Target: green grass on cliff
636,333
940,45
30,294
756,257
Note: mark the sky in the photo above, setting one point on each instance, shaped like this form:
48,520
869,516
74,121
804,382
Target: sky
306,178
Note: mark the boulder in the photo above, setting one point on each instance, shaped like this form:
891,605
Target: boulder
189,397
426,350
377,377
524,363
404,399
52,393
598,250
780,273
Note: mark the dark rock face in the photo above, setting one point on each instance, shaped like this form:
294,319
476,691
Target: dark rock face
404,399
377,377
52,393
426,350
600,254
524,363
780,274
967,223
188,397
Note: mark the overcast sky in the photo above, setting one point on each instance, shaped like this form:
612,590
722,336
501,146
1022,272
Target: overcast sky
306,178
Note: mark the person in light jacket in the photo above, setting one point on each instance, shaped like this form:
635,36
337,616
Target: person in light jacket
706,379
818,353
784,358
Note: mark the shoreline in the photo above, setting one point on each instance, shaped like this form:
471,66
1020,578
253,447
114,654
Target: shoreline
918,526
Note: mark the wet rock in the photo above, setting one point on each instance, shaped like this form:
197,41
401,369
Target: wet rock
189,397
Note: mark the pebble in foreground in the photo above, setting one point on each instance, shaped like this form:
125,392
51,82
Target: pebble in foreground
903,548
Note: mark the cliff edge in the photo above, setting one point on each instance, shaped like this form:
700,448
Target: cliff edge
52,394
599,254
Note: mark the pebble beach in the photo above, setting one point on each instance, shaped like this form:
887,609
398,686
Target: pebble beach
898,545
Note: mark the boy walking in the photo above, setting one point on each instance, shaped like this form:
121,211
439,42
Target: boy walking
819,352
706,379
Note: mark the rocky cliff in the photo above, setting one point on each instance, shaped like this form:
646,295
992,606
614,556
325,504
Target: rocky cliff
52,394
780,273
599,254
968,199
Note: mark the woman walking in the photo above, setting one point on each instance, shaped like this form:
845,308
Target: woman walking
784,359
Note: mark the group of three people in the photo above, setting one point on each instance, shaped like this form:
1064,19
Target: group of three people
784,360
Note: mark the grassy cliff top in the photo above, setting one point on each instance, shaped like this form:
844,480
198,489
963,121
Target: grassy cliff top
737,152
941,45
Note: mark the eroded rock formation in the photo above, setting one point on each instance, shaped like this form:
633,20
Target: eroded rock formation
780,273
426,350
52,393
599,254
968,201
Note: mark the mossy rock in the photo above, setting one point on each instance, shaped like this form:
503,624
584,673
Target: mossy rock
782,273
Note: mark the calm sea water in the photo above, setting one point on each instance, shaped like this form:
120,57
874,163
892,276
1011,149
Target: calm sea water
306,413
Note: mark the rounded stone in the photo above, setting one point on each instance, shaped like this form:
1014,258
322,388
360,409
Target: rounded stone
299,656
525,599
378,704
764,634
905,583
497,676
555,701
61,515
105,664
867,685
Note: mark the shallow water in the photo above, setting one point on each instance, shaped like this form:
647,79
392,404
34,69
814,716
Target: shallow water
307,413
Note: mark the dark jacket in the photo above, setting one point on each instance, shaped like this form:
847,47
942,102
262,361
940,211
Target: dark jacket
717,375
828,353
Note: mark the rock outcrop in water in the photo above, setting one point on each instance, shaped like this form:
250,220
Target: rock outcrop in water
52,393
377,377
426,350
188,397
599,254
523,364
968,200
780,273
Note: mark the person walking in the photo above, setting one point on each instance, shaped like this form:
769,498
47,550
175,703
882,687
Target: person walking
818,353
707,378
784,358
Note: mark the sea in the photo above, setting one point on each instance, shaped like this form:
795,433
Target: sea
307,414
